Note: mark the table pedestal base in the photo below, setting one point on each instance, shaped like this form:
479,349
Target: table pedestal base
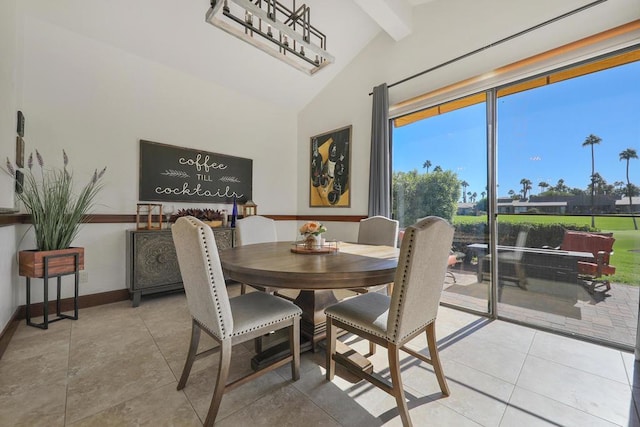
313,322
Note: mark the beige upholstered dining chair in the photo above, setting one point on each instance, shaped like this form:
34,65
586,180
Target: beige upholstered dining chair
252,230
412,308
377,230
227,321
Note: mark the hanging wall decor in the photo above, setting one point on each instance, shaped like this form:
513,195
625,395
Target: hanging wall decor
330,168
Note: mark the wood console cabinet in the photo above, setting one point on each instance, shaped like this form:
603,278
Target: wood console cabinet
152,265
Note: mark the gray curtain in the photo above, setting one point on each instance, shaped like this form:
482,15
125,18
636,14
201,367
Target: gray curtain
380,166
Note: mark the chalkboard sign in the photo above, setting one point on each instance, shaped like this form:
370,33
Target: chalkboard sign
170,173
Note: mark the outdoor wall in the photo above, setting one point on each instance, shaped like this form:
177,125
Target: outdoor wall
469,25
9,65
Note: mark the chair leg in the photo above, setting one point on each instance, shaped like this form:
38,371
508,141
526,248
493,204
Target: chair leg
191,355
372,348
331,349
243,289
450,274
221,382
257,345
294,340
396,381
435,358
522,277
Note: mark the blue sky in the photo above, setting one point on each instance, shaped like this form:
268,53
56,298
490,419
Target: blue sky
540,134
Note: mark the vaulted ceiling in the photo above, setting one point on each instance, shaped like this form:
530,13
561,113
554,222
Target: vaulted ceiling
175,34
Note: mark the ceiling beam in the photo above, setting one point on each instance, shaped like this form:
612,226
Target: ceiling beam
393,16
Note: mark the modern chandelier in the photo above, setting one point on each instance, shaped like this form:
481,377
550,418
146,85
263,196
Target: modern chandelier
283,33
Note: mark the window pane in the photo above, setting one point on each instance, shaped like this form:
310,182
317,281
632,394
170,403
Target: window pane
440,168
560,168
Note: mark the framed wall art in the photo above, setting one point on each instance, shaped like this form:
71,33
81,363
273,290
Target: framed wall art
329,178
172,173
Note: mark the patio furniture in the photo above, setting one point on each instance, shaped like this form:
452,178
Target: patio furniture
411,310
507,256
227,321
454,258
593,272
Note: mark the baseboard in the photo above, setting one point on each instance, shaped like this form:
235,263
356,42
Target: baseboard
8,331
84,301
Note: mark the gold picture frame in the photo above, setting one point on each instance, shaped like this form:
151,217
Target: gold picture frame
330,171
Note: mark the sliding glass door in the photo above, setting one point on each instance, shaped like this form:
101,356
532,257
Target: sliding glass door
564,143
566,251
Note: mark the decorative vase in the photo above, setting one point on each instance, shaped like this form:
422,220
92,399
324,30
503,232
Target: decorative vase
313,241
31,262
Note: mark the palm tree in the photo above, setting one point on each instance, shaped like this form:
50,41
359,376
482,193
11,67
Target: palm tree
560,187
543,186
426,165
474,196
592,140
438,168
483,193
526,186
464,185
627,155
512,194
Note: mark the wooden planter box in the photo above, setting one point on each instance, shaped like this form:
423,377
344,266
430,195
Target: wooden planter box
31,262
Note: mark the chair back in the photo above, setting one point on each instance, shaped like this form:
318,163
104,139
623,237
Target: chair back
521,242
378,230
588,242
255,229
202,276
419,278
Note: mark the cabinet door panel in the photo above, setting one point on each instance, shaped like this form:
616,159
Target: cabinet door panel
156,263
224,238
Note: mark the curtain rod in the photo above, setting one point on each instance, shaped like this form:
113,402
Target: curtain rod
506,39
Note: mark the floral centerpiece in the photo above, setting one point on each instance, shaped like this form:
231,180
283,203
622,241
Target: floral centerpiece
312,234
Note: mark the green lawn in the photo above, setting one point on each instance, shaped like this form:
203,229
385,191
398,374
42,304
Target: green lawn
626,256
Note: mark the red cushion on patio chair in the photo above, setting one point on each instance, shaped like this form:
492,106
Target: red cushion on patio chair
601,246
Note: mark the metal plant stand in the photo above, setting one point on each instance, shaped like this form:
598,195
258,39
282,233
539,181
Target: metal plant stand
46,277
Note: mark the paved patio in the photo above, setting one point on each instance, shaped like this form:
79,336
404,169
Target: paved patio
609,316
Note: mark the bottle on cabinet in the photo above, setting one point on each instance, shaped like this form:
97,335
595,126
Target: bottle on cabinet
234,212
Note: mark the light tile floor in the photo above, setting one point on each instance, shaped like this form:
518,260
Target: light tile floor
603,315
118,366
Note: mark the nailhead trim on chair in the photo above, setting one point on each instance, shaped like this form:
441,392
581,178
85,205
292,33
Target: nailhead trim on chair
359,326
264,325
216,298
393,337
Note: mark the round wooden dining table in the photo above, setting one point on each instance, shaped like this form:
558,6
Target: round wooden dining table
314,274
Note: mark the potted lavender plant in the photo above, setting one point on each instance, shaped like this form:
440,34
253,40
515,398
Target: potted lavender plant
56,211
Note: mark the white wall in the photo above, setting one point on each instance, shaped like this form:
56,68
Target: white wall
442,30
96,102
9,66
